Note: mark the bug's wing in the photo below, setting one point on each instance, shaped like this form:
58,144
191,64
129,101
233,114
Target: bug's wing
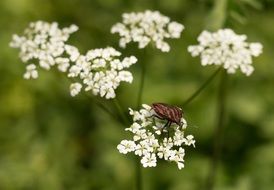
161,110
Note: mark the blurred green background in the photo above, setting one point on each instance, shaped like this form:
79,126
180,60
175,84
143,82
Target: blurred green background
51,141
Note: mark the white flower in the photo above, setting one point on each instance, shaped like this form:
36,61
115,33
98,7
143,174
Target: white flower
126,146
44,42
164,152
147,27
178,138
178,157
184,123
168,142
256,49
175,29
134,128
63,63
140,134
101,71
149,144
142,148
73,52
125,76
31,72
189,140
75,88
226,48
149,160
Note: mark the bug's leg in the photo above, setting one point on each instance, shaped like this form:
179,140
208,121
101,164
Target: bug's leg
168,124
154,122
154,118
181,126
164,126
158,117
150,116
168,127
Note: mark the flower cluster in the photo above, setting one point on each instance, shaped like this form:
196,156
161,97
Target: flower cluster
100,70
226,48
146,27
45,43
150,140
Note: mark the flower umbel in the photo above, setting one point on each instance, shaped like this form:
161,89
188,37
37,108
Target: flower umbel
226,48
146,27
150,141
44,42
101,71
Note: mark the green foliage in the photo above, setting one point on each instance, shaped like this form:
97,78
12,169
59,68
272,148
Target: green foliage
49,140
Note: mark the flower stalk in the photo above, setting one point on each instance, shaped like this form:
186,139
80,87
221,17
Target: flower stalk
219,131
138,175
119,108
219,11
142,83
202,87
139,179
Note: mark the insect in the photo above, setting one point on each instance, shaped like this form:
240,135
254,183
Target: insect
172,114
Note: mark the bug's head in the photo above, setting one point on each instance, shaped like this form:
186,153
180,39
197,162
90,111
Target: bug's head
181,122
182,112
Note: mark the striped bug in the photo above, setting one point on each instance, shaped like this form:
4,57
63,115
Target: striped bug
172,114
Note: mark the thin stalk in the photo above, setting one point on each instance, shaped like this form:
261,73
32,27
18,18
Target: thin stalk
142,83
139,180
138,175
219,131
104,108
120,110
99,103
219,15
202,87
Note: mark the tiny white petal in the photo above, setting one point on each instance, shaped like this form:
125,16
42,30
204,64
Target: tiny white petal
31,72
75,88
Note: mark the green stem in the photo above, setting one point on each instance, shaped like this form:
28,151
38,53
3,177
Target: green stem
138,175
107,110
99,104
219,15
142,83
139,181
219,131
104,108
120,110
202,87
